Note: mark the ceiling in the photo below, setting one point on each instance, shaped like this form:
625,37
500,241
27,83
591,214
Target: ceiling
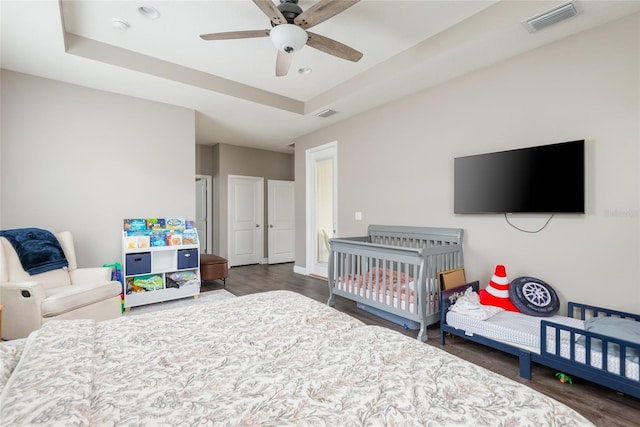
231,84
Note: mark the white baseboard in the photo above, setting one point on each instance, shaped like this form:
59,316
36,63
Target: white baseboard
300,270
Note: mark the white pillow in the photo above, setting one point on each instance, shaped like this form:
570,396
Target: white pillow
469,305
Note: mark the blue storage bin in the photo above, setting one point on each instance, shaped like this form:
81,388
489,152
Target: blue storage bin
138,263
188,258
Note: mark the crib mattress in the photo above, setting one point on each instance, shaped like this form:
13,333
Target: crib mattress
509,327
523,331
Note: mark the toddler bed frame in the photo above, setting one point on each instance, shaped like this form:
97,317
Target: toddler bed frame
552,357
394,269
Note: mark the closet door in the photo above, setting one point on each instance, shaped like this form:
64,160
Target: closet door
246,217
281,220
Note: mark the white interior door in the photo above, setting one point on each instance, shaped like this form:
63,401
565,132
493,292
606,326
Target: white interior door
281,220
203,212
246,217
322,206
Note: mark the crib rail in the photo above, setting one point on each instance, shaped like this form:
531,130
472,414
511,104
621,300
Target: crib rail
413,237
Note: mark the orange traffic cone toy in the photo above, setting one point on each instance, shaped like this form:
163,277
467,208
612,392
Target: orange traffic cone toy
497,291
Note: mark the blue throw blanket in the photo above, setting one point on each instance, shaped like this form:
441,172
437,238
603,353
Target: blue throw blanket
37,249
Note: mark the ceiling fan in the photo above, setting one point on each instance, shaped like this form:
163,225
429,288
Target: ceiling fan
289,33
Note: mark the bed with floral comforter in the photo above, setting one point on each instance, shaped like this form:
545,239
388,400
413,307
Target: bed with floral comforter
269,359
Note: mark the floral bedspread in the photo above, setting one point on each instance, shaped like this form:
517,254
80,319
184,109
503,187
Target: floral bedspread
269,359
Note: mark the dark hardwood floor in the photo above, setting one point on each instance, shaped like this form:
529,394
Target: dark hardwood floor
604,407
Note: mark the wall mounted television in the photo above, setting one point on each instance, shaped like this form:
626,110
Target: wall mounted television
542,179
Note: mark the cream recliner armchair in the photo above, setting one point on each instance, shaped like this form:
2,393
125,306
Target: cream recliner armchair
64,293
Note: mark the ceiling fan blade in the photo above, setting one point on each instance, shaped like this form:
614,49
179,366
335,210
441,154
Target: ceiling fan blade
235,35
322,11
283,62
333,47
270,9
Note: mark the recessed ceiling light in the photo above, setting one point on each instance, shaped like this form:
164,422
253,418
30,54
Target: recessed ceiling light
149,12
120,24
305,71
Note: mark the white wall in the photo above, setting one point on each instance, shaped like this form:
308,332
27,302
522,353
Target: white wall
82,160
396,163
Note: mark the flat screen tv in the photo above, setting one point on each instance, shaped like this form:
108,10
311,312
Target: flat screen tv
542,179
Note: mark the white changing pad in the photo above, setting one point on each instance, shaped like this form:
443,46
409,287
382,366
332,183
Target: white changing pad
523,331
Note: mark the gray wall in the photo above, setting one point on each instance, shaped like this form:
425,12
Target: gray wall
396,163
82,160
223,160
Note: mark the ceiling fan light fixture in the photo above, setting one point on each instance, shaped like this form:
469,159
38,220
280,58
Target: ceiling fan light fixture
288,38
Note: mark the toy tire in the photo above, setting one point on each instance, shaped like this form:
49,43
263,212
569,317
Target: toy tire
534,297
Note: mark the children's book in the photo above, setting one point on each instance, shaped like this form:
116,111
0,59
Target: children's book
174,237
175,223
135,224
155,223
158,238
189,237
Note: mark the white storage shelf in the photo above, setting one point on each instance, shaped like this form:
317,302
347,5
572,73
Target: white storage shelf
160,261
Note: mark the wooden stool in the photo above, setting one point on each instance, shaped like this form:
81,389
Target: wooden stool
213,267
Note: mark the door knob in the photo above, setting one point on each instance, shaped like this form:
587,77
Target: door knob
257,225
270,225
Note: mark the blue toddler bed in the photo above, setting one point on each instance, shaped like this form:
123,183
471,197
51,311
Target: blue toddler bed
562,343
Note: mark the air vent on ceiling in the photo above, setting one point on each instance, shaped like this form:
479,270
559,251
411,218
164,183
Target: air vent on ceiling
326,113
550,17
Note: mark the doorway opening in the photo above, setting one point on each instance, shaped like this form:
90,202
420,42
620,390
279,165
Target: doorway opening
322,197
